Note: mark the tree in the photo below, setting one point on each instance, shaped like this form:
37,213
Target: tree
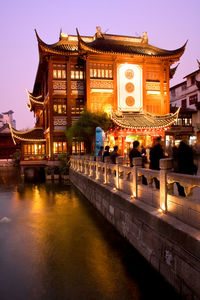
84,128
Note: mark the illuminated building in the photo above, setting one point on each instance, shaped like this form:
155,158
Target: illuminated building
122,75
186,95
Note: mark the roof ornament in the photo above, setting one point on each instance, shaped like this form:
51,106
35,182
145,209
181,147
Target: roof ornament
98,34
144,37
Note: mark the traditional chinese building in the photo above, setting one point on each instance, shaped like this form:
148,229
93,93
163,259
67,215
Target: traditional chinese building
121,75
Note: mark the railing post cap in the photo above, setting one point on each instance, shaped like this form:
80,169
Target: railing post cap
137,161
119,160
166,163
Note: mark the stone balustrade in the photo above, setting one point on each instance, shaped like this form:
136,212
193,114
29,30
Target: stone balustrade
156,188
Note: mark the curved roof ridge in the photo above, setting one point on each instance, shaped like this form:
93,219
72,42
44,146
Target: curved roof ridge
35,134
126,47
59,47
143,120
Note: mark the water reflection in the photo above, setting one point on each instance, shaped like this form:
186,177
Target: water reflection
57,246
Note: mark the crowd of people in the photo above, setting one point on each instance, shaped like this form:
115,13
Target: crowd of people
183,157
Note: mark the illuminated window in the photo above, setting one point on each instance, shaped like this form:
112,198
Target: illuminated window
59,71
59,106
77,72
34,149
152,76
59,147
77,106
103,71
78,147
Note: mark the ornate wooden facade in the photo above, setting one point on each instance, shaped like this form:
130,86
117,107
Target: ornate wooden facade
124,76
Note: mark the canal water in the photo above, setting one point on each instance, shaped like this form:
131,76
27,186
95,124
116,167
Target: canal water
55,245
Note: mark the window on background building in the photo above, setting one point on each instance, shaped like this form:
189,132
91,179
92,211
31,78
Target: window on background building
59,106
184,103
59,147
77,106
187,121
184,87
193,99
192,79
77,72
173,92
178,122
59,71
101,71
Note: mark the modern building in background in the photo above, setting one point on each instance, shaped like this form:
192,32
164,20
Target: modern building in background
7,146
7,118
186,95
124,76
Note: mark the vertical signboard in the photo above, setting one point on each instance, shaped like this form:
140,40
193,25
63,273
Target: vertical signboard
129,87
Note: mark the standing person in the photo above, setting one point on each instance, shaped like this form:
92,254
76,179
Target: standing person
185,159
100,153
156,153
114,154
185,163
134,152
106,152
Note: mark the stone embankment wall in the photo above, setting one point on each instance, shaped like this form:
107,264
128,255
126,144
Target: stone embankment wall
169,245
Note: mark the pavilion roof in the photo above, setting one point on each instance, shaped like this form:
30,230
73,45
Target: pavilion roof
172,71
110,44
106,44
39,101
63,46
35,135
143,120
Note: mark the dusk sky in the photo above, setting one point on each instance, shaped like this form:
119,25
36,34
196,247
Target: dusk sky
168,24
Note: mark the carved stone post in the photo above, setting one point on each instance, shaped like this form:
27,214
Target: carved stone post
165,166
137,163
119,161
107,160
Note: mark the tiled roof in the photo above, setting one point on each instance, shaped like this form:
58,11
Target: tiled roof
34,100
33,135
172,71
61,47
112,44
103,45
143,120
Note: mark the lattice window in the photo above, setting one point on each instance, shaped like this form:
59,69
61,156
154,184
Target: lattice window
152,76
59,147
77,106
102,71
59,107
59,71
78,147
34,149
77,72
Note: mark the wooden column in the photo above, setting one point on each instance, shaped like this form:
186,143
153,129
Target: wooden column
115,94
162,98
50,108
167,97
69,119
144,71
87,83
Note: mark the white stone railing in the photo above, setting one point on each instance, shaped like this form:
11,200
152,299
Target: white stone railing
155,188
